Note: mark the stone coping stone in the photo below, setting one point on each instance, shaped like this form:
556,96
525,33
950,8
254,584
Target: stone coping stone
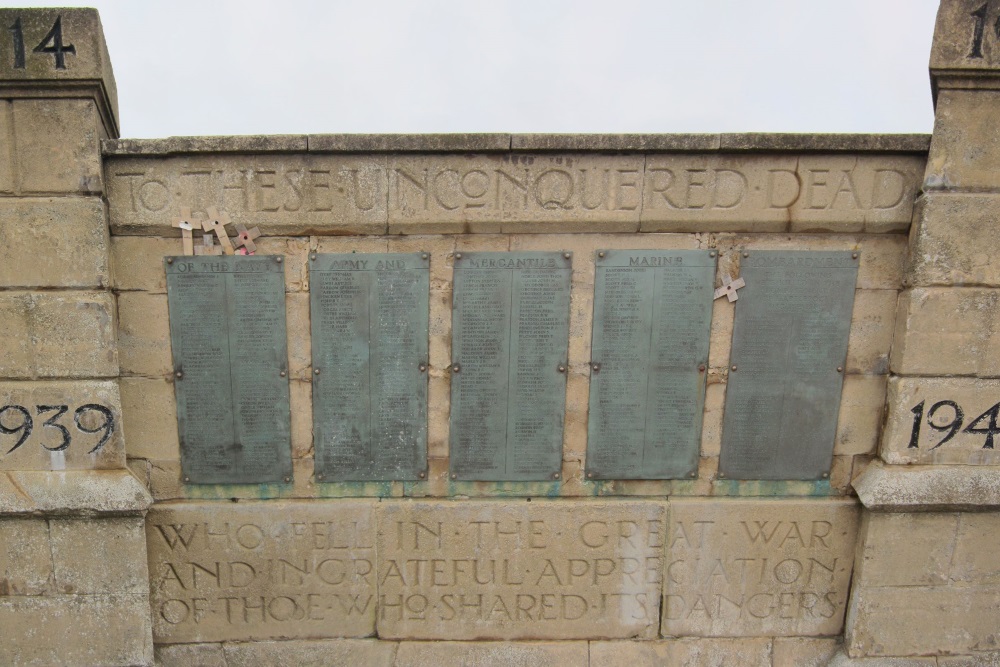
502,142
72,493
886,488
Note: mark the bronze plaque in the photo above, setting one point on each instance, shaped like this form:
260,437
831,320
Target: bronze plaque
793,319
228,338
369,344
652,315
510,334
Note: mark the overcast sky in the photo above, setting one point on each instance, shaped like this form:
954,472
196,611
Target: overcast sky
301,66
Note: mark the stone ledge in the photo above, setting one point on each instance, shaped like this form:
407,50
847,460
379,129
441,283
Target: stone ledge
502,142
940,488
841,659
73,493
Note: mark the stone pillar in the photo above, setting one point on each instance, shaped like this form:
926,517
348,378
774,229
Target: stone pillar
73,573
926,577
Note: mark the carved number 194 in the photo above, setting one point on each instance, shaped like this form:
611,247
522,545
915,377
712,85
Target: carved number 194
984,424
52,44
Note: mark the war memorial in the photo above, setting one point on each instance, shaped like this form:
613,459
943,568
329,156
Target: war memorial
404,400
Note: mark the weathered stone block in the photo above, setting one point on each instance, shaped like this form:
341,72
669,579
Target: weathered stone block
871,331
799,652
682,653
924,488
860,414
758,567
312,653
277,570
190,655
58,145
76,630
25,557
514,193
512,654
300,404
299,339
965,151
57,334
106,555
518,570
942,331
6,149
149,411
950,243
928,420
144,335
768,193
990,659
54,242
282,194
926,584
61,425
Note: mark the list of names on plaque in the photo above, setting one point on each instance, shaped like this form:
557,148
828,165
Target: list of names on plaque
652,316
228,338
369,344
510,333
790,337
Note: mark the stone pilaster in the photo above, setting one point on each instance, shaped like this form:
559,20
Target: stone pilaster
924,581
72,545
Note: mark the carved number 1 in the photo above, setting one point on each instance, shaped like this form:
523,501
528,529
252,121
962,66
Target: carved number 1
52,44
977,33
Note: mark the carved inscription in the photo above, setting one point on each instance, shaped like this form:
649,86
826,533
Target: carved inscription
261,571
652,314
228,337
790,339
510,333
482,570
51,44
60,425
758,567
369,343
942,420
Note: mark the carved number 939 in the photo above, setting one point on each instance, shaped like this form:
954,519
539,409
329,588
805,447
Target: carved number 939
985,424
16,420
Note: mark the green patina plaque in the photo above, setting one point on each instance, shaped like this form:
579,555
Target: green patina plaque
649,351
510,334
793,319
228,338
369,345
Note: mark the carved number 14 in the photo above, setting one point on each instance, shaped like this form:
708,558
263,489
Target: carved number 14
52,43
984,424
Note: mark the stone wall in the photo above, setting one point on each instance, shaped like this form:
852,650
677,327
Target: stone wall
889,559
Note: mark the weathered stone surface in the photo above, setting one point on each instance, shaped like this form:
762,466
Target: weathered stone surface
952,238
99,556
841,659
941,331
615,142
392,143
776,193
928,488
144,335
682,653
951,50
882,256
76,630
149,413
25,557
75,492
917,438
305,194
57,334
274,143
514,192
799,652
758,567
835,142
52,242
860,414
6,149
965,152
312,653
991,659
926,583
490,654
58,145
276,570
519,570
190,655
61,439
871,331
